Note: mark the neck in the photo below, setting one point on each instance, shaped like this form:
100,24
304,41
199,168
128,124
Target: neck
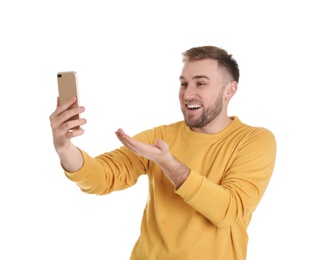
213,127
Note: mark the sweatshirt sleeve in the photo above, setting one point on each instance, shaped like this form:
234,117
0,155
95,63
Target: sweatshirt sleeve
242,185
108,172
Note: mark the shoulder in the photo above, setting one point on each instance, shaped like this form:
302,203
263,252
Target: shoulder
159,132
257,134
260,130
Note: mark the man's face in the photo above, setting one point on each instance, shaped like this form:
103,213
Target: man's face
201,93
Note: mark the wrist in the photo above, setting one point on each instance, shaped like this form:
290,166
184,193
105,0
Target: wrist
176,171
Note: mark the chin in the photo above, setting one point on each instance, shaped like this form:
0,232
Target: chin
191,123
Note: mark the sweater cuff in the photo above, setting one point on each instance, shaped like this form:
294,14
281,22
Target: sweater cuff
191,186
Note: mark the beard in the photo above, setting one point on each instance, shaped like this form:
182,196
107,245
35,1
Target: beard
208,114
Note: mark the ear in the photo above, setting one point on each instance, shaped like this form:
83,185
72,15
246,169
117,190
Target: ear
230,90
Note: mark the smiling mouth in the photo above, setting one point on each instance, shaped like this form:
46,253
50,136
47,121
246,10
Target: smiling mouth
193,107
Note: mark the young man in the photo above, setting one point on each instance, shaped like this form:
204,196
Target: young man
206,173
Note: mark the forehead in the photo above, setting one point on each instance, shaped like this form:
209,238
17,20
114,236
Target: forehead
206,67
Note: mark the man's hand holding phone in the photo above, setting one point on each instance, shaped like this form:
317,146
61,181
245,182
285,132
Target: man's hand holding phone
66,124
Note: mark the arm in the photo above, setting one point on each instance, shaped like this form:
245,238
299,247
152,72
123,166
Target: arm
159,153
100,175
70,157
242,185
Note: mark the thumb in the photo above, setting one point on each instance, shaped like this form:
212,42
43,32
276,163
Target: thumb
163,146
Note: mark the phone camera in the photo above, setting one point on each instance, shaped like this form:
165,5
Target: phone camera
59,75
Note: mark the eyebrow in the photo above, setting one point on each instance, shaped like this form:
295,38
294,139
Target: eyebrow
196,77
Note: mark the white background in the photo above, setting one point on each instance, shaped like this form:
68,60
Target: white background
127,55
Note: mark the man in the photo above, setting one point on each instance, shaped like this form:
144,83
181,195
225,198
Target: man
206,174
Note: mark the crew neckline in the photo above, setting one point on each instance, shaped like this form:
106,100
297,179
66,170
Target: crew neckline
211,137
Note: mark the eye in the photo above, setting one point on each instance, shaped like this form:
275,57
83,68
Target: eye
183,84
200,83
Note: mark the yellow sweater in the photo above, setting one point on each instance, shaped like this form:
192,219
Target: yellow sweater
207,217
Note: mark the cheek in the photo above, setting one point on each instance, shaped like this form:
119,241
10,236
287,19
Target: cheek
211,98
181,94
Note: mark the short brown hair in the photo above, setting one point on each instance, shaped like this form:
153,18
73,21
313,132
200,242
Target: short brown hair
224,59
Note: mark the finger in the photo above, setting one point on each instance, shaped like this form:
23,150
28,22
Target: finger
55,113
127,141
75,124
67,131
74,133
123,137
66,105
119,134
65,121
62,108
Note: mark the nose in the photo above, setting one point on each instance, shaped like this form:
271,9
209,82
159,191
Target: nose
189,92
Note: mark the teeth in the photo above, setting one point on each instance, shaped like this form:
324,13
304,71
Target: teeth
193,106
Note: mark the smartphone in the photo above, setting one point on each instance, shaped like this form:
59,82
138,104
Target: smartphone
68,87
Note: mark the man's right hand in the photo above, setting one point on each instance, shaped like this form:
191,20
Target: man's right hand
70,157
